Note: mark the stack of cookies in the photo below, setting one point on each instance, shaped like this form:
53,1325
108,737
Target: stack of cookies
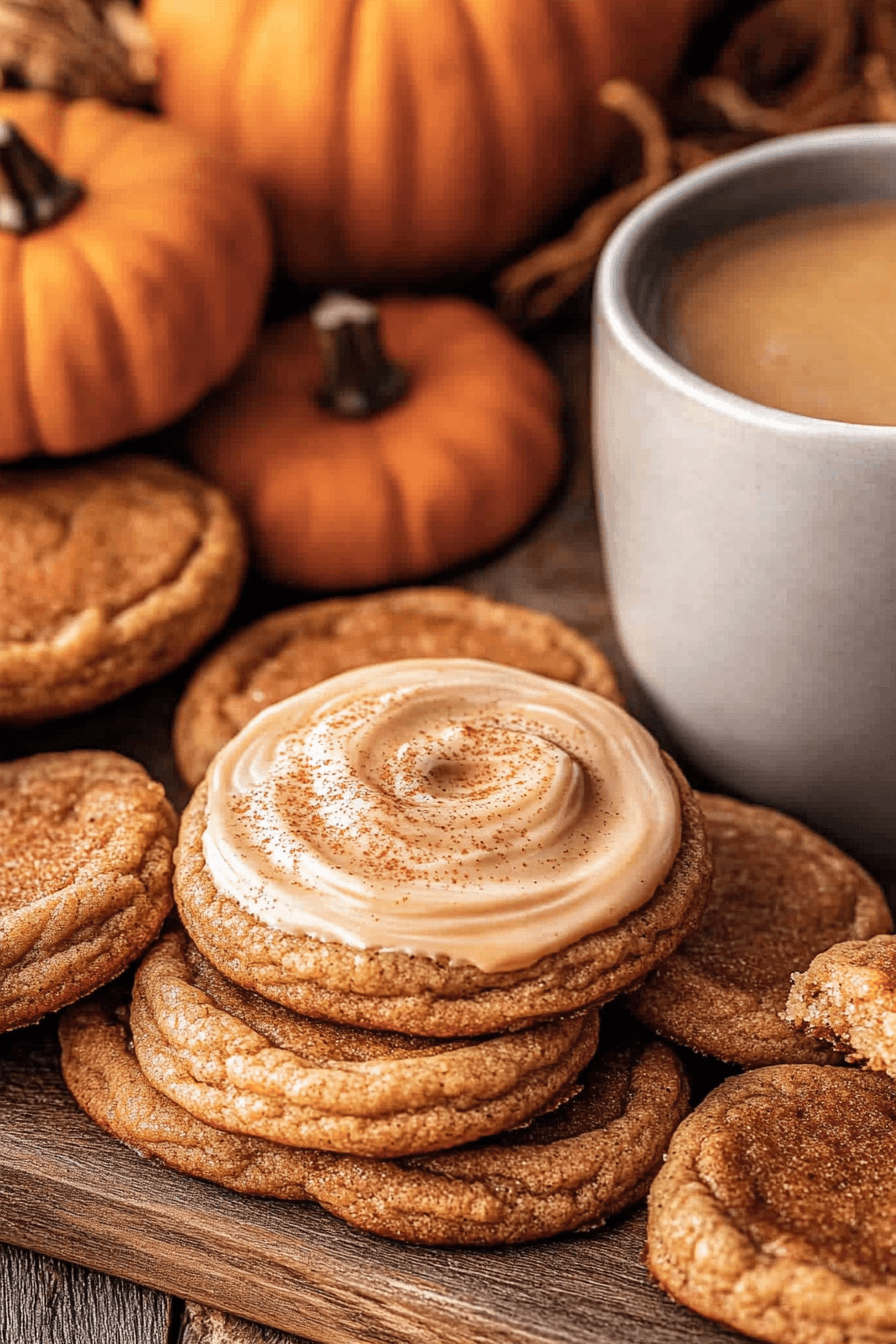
405,891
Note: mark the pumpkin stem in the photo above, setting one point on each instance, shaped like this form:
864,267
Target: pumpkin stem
359,378
32,193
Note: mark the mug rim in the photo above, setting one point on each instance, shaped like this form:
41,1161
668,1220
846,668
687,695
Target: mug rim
612,305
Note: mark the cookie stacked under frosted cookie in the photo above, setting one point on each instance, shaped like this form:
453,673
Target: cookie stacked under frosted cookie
568,1169
470,855
242,1063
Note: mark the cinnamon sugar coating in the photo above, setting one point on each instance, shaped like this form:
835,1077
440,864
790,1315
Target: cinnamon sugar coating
431,996
774,1210
112,572
780,895
244,1064
848,997
573,1168
284,653
85,882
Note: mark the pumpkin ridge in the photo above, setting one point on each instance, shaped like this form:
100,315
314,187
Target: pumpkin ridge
250,13
575,71
484,112
214,323
108,322
339,147
28,401
406,179
57,130
396,490
71,134
465,465
557,17
177,266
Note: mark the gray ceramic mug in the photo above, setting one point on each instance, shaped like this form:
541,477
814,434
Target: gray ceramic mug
751,553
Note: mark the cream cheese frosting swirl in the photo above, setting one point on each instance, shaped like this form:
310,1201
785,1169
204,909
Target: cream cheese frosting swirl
442,807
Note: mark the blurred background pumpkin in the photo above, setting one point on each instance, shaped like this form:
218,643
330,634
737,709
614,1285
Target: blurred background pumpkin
357,464
406,141
133,267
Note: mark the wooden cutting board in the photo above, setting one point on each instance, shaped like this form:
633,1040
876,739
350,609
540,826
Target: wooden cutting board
70,1191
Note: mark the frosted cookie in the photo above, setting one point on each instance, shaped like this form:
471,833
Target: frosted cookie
291,650
607,1142
773,1212
112,572
780,894
86,839
244,1064
441,846
848,997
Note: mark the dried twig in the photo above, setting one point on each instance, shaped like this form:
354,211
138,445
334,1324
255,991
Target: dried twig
691,154
793,53
881,89
744,113
880,22
534,287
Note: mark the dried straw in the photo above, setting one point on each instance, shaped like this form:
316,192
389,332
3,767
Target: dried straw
792,65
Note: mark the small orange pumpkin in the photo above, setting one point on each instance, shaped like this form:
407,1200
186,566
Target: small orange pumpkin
394,471
409,140
133,267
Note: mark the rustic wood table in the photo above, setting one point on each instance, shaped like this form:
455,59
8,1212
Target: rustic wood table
208,1259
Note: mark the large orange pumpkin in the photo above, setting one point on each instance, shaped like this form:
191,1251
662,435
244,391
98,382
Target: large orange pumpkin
353,470
404,140
133,267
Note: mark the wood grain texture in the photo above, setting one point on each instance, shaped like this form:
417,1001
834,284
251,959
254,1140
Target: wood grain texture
45,1301
68,1190
207,1325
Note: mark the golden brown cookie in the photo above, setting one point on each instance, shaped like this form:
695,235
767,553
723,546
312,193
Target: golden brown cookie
284,653
848,997
244,1064
573,1168
773,1213
780,894
112,572
86,839
434,996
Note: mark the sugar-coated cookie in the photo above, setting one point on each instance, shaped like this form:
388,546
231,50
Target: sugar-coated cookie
86,839
567,1170
780,894
112,572
249,1066
773,1212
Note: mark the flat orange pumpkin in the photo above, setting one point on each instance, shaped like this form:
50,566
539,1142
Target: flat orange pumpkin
145,290
458,463
410,140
